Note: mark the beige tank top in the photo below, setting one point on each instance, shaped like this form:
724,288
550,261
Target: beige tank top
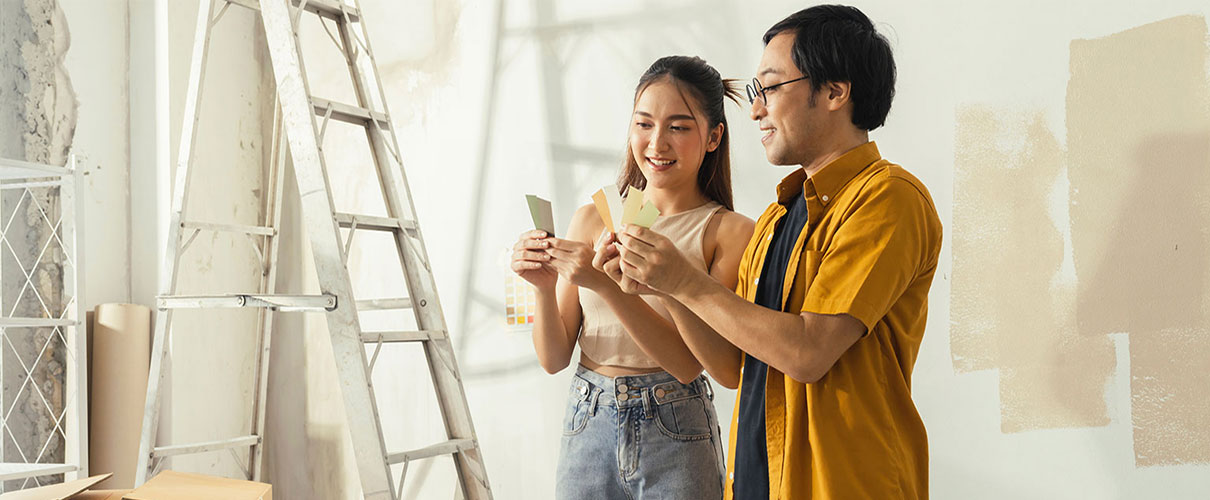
603,338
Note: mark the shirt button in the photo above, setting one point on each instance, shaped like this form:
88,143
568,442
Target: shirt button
825,197
623,397
659,393
623,388
756,281
769,238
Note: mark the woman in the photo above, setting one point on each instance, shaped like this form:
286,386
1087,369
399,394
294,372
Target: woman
640,422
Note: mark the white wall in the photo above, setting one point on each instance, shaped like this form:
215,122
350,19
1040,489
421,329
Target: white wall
951,55
1012,57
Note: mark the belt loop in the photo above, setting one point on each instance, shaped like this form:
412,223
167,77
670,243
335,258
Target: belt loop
709,390
646,395
592,407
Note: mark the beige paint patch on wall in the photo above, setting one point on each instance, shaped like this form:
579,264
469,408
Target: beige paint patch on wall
1138,117
1007,312
1168,396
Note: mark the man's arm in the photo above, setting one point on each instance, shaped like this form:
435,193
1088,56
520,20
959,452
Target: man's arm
873,257
728,234
803,346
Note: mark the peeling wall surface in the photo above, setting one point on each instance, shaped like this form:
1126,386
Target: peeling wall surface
1067,148
37,123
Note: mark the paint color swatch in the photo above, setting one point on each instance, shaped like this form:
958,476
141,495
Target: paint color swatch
520,301
632,205
539,209
602,203
647,215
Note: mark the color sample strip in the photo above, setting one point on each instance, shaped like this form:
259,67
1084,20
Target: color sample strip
647,215
632,205
602,203
615,205
539,210
520,301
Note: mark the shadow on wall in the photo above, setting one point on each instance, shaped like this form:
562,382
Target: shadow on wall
1138,163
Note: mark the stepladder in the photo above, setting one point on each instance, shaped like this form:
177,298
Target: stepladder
301,122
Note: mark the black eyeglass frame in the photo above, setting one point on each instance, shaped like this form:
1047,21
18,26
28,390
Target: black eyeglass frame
755,88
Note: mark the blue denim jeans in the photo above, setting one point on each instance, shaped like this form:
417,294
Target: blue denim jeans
639,437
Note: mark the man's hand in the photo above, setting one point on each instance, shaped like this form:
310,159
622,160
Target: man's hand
609,261
651,259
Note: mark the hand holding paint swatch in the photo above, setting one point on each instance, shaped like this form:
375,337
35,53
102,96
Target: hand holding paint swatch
615,213
539,210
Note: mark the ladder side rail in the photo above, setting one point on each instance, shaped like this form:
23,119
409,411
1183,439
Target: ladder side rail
272,215
169,272
324,235
443,368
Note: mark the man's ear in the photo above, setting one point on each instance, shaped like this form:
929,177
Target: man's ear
716,138
837,94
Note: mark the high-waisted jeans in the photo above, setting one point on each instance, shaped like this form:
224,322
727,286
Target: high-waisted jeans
639,437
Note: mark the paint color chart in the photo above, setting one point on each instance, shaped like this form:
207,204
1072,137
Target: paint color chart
520,303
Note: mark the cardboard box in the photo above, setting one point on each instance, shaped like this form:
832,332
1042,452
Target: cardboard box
70,490
172,485
101,495
167,485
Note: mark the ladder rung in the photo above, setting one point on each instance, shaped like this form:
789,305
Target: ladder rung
323,302
185,449
374,222
402,336
447,448
384,304
330,9
350,114
230,228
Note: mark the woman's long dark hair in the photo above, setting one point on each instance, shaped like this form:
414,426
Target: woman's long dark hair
693,76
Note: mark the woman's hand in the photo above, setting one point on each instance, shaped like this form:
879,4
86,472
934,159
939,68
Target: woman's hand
532,262
573,260
608,260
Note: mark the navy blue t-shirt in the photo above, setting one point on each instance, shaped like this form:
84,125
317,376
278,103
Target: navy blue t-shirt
751,480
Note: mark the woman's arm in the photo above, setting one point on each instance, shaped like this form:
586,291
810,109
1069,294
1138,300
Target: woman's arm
728,233
558,315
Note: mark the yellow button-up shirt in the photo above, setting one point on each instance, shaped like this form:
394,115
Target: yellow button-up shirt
869,250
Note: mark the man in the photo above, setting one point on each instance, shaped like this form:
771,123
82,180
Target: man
832,296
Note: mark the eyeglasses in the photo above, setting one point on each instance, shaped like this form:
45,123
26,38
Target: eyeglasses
756,89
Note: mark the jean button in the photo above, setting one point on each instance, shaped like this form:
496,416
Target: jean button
623,397
659,393
623,388
583,390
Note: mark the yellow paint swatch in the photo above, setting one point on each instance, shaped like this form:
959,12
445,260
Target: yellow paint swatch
632,205
647,215
602,202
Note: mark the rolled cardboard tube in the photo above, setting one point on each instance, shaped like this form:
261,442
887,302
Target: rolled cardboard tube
121,350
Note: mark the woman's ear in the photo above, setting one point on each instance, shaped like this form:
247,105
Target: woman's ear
716,137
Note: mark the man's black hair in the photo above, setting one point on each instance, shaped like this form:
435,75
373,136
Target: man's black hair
838,43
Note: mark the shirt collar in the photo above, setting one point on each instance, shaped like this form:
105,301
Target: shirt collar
833,176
